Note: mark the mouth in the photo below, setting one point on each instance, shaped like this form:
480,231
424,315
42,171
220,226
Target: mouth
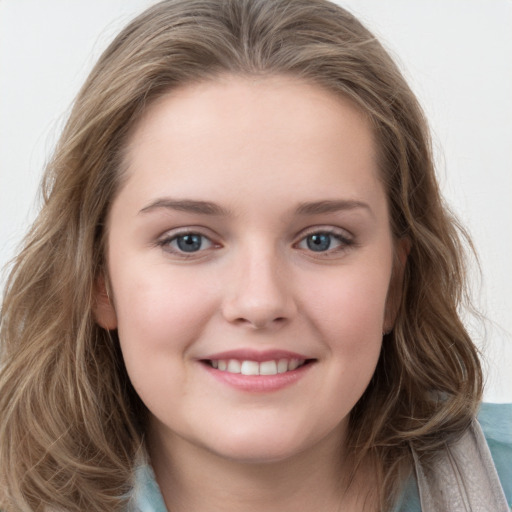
250,367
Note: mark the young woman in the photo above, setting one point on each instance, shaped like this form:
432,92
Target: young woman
242,290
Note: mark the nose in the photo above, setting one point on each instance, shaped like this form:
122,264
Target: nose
259,293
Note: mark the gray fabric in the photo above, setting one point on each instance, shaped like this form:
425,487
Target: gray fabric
462,479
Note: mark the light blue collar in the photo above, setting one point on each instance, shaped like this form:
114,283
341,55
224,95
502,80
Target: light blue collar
146,494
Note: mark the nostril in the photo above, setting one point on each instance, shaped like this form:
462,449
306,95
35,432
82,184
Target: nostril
261,323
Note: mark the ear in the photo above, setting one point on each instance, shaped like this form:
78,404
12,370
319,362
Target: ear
394,298
104,312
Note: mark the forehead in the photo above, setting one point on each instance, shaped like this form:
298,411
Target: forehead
252,133
248,103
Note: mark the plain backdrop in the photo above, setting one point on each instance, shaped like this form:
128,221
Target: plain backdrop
456,54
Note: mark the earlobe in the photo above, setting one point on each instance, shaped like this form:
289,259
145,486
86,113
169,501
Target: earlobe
104,312
395,291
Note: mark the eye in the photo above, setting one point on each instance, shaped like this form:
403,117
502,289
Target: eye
186,243
324,241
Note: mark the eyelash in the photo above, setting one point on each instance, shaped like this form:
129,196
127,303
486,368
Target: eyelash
166,242
343,241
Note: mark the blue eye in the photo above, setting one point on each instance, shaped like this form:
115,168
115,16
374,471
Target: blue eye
319,242
186,243
324,241
189,242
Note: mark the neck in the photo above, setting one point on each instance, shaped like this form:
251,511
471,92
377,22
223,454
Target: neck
192,479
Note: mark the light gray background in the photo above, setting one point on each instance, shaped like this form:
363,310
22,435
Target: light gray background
457,55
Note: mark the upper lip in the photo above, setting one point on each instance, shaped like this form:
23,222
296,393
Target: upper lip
255,355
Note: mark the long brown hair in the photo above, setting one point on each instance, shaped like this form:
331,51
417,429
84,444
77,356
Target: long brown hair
71,425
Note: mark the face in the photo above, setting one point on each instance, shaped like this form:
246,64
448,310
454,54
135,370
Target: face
250,258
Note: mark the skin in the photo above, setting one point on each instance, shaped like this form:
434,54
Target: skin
259,149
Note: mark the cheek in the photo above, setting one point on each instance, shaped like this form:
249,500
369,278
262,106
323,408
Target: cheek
160,314
352,305
349,318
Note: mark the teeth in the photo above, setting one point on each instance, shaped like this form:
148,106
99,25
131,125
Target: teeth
293,364
234,366
268,368
282,366
250,368
272,367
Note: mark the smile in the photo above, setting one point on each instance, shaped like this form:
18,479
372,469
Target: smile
249,367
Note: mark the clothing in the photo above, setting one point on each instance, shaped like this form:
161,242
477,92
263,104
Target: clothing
464,477
495,421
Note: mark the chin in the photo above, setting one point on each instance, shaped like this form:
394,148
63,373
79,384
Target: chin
265,446
258,453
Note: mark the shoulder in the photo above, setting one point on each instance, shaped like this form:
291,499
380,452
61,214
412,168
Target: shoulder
496,423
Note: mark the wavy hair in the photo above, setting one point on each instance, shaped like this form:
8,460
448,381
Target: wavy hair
71,424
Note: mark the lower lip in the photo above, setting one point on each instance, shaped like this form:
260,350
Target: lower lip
258,383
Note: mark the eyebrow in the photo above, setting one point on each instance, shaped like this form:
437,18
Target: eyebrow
209,208
186,205
320,207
